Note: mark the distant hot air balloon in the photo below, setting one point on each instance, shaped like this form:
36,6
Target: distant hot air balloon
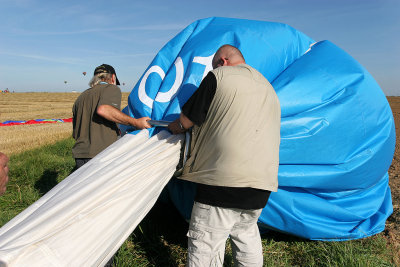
123,83
65,82
84,73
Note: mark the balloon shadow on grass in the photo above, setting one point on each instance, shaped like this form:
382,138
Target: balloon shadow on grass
160,233
46,182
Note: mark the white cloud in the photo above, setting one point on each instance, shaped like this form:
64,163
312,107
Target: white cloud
64,60
160,27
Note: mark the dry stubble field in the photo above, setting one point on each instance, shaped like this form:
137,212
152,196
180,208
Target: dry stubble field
27,106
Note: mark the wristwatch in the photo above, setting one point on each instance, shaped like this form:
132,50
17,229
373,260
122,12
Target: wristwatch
181,126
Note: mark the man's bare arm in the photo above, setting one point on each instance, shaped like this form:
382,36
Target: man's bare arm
113,114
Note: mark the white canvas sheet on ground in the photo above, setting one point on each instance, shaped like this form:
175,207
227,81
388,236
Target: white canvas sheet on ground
85,219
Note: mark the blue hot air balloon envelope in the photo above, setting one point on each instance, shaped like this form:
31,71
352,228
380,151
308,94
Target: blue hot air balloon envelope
337,128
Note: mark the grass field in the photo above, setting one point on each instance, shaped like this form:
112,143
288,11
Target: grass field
160,239
41,157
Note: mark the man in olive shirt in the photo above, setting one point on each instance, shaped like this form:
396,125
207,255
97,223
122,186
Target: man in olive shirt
96,113
234,160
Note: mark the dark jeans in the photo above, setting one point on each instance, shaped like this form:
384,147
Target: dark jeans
80,162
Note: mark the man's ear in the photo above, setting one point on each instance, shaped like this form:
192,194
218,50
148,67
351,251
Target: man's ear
225,60
114,79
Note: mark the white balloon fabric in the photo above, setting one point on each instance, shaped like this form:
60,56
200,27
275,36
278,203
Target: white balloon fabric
85,219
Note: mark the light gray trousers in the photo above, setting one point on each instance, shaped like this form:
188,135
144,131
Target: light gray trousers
211,226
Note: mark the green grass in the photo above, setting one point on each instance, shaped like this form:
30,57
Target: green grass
160,239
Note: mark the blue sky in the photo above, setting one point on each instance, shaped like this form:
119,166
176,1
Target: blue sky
44,43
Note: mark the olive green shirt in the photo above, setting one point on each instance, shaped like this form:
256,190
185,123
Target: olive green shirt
92,132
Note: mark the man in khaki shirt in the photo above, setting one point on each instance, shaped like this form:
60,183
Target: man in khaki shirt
234,160
96,113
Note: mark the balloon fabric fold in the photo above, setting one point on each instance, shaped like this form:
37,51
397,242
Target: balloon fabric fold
85,218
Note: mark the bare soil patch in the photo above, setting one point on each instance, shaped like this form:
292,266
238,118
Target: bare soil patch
393,223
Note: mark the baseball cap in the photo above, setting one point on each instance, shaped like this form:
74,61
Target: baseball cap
104,68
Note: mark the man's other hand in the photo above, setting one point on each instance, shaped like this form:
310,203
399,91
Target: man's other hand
3,173
175,127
